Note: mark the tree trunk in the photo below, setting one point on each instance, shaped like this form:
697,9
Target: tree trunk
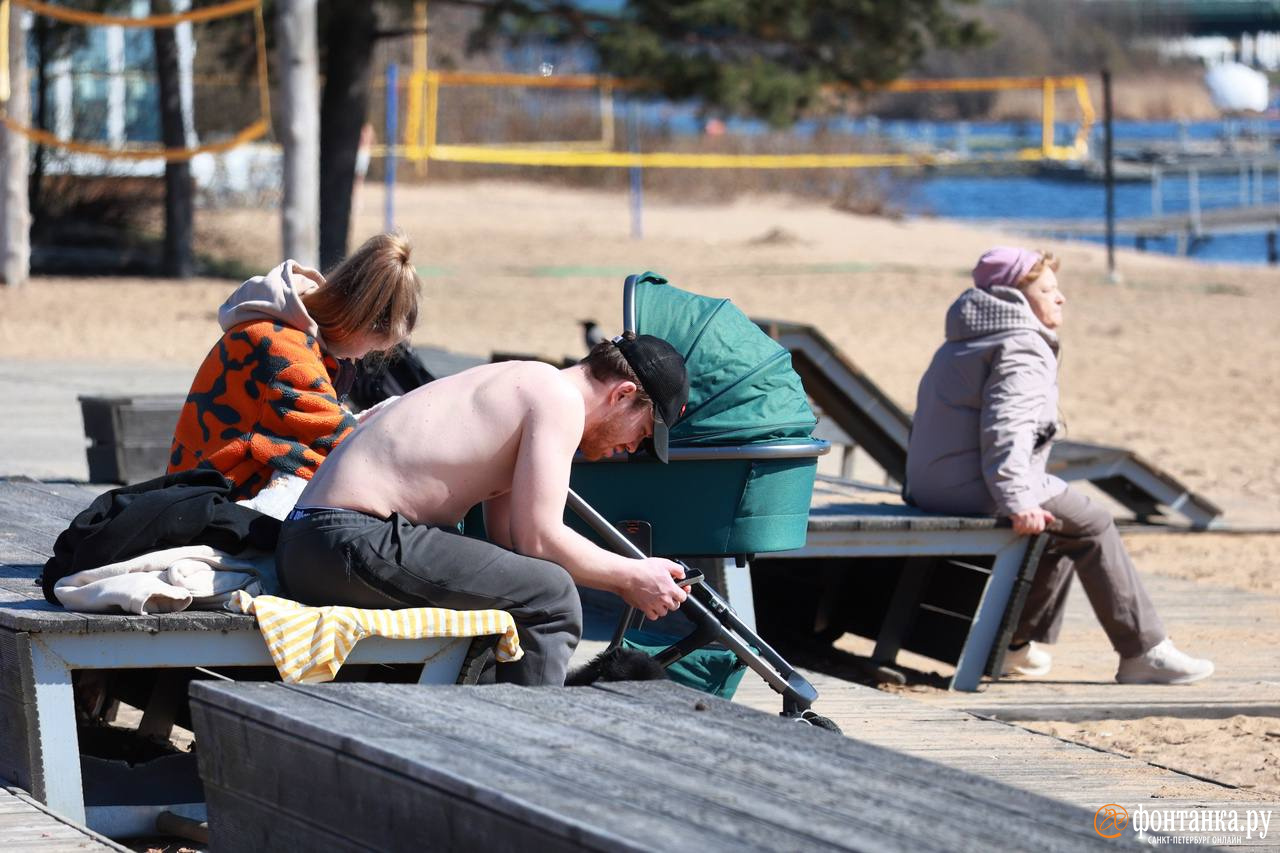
179,200
299,130
15,216
34,200
343,109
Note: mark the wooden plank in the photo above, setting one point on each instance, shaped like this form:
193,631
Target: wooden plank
61,504
75,493
13,553
19,739
846,394
446,813
18,583
1054,768
136,419
845,505
731,777
31,523
39,615
26,825
18,763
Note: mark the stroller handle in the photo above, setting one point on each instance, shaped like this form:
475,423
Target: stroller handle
713,615
629,304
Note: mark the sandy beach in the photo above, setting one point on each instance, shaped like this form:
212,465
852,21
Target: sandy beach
1179,361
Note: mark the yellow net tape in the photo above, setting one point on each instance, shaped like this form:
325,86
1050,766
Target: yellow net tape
423,145
256,130
680,160
4,51
94,19
170,155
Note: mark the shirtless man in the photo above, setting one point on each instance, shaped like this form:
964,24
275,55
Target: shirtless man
377,525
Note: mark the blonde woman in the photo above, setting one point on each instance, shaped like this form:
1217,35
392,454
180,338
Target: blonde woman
986,415
266,401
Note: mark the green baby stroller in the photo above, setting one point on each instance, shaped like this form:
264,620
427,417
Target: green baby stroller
739,481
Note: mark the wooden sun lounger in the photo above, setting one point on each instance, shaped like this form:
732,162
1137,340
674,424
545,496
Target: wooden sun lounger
619,766
42,645
881,428
957,582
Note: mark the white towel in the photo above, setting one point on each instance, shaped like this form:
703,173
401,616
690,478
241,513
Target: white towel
192,576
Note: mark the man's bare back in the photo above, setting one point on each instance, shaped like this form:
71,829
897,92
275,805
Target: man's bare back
447,446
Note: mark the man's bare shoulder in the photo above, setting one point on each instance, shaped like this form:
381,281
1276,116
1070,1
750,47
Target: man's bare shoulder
533,386
545,388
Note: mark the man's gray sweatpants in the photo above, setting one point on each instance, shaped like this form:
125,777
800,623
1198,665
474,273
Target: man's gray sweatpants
345,557
1089,543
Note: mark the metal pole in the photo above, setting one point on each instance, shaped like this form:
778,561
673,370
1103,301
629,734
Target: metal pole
1110,175
1157,191
1046,118
393,130
1193,193
637,182
418,91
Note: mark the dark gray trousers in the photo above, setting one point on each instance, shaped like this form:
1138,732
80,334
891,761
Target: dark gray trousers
344,557
1089,543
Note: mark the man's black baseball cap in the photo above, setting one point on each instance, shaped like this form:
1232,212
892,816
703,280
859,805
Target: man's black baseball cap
663,376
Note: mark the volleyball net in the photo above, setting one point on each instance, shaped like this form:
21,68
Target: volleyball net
95,89
593,121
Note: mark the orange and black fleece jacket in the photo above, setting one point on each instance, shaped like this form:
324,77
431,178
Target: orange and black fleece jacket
262,401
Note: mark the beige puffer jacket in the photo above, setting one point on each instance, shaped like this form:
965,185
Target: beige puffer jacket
986,411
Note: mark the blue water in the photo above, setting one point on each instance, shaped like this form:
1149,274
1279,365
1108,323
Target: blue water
1046,198
1024,197
1015,197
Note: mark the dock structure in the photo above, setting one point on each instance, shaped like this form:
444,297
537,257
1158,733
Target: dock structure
1190,229
1252,207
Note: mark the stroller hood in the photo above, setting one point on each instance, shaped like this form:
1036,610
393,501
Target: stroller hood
742,389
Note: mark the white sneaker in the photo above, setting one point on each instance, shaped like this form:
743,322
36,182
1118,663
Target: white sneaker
1163,664
1028,660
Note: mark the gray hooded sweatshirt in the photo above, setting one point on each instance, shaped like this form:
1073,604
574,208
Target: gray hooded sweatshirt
989,397
276,296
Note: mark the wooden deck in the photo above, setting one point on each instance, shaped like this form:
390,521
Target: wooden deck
1238,630
26,825
1003,752
641,766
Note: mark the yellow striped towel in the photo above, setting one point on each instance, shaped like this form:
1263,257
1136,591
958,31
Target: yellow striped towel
310,644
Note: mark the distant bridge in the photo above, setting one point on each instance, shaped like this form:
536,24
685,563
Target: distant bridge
1199,17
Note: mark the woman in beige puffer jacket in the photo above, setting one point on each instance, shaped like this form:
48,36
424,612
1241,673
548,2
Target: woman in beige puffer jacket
986,415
